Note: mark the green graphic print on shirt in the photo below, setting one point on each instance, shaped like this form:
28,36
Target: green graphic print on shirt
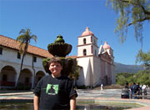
52,89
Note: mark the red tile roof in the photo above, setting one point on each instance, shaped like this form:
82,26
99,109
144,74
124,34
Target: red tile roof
72,57
13,44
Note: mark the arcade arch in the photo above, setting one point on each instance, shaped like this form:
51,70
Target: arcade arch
8,76
38,76
25,77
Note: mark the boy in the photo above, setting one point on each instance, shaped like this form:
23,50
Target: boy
55,91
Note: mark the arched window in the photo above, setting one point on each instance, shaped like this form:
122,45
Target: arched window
84,41
18,55
1,50
84,52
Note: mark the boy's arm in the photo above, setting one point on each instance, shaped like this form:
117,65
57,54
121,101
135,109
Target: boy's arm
36,102
73,103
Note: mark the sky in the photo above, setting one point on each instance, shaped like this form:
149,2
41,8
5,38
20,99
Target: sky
49,18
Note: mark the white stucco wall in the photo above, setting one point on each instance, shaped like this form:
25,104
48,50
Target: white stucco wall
113,74
96,71
88,50
91,70
81,79
86,65
80,40
95,50
9,58
9,55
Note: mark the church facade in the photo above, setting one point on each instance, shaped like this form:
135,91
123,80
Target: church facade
96,63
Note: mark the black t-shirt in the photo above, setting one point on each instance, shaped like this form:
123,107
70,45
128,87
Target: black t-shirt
54,93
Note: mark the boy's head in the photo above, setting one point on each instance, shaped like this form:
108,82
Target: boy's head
55,66
55,59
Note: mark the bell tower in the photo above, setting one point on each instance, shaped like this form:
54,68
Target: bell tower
87,44
87,53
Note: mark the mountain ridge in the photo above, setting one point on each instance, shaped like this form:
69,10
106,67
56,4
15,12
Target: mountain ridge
123,68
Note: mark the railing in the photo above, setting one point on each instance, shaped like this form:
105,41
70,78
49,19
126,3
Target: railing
145,94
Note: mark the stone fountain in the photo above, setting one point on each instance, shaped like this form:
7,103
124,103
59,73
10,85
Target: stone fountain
61,49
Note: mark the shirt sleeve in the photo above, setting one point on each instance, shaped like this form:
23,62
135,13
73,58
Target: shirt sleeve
37,89
72,89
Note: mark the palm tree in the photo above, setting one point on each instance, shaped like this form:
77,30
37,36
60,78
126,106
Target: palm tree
24,39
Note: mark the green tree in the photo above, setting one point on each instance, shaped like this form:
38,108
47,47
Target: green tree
122,78
130,12
131,79
143,57
24,39
135,13
143,77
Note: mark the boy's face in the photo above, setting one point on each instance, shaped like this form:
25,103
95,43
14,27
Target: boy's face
55,68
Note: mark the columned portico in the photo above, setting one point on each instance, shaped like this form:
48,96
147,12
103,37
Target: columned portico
10,74
10,64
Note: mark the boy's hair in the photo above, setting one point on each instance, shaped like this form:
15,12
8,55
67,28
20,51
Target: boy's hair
55,59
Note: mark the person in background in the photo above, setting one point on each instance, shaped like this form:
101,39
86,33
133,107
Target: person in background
139,91
133,90
125,91
144,91
127,85
130,85
55,91
101,87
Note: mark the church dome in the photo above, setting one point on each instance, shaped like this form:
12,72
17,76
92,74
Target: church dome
106,46
87,32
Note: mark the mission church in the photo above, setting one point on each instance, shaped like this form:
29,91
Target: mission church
96,63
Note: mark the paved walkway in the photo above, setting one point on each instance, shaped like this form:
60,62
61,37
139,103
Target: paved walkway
107,95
